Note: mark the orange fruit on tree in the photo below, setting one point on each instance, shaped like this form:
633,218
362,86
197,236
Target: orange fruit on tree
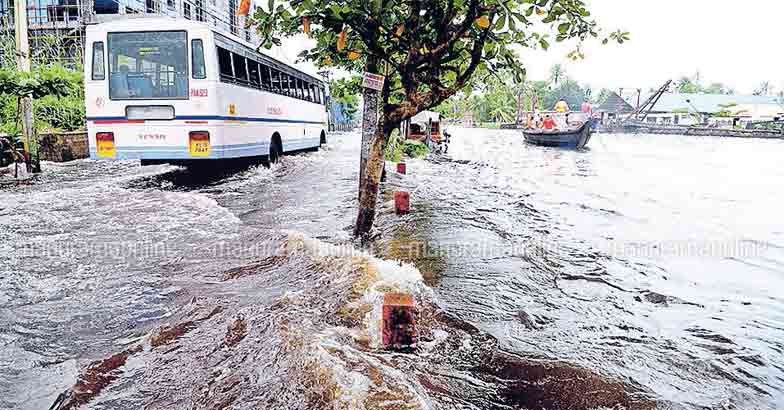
342,40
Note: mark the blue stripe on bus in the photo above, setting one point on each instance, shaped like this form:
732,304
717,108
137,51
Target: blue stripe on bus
213,117
216,152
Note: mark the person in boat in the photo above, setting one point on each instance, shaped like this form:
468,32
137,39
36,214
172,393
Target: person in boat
549,123
561,106
530,123
587,108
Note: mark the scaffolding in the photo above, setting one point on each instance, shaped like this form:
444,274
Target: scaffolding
57,26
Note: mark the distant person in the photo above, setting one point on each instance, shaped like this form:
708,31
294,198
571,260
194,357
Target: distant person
561,106
587,108
548,123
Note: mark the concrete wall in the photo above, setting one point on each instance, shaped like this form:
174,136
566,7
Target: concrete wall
63,147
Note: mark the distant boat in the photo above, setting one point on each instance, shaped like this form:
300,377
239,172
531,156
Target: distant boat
574,137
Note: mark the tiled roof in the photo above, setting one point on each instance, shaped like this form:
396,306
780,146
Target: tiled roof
708,103
615,104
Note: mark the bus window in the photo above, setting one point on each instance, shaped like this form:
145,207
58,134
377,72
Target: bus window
275,80
307,91
284,83
314,94
292,87
240,71
197,59
266,80
323,96
224,64
299,88
98,62
253,72
160,69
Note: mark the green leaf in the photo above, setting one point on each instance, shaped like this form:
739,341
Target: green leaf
563,28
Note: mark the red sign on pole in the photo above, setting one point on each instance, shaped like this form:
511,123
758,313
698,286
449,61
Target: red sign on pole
373,81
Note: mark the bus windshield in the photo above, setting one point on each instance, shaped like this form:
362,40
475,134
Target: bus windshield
148,65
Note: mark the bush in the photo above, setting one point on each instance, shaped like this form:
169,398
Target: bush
64,113
58,97
415,149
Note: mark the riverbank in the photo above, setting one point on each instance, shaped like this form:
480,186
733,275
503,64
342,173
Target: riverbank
691,131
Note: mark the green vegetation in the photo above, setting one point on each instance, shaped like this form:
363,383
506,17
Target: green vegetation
692,85
428,51
727,111
345,92
58,92
495,99
58,98
415,149
399,148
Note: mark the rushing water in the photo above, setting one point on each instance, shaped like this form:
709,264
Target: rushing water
645,272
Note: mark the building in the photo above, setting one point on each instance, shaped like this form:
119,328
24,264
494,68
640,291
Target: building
57,26
613,108
718,109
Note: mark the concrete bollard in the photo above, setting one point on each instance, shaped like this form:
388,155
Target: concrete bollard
399,322
401,168
402,206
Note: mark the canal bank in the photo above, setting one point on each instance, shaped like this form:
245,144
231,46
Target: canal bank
244,289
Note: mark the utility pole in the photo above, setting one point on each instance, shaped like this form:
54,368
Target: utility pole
369,120
25,103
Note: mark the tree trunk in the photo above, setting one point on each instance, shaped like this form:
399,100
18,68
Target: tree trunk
369,185
369,121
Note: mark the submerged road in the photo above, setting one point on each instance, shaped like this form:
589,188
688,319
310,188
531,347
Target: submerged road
647,272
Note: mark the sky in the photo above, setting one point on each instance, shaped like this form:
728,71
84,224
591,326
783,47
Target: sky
738,43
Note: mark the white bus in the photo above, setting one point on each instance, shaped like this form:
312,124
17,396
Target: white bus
161,89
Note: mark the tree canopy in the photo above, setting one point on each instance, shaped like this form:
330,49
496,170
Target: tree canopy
344,93
494,98
429,50
693,85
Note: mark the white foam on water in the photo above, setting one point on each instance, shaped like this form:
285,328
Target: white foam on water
379,277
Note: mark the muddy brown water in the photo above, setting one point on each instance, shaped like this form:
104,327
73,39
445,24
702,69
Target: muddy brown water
643,273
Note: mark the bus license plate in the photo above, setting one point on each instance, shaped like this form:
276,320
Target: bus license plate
200,148
106,149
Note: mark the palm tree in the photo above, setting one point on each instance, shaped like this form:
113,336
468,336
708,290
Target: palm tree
764,88
556,74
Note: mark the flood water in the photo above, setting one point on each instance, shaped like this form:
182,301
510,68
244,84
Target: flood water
645,272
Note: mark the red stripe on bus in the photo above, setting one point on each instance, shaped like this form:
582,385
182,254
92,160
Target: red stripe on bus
118,122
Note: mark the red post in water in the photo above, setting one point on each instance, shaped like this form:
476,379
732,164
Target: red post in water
401,203
401,168
398,327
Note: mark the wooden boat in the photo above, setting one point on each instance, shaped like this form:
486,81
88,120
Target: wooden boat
574,137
